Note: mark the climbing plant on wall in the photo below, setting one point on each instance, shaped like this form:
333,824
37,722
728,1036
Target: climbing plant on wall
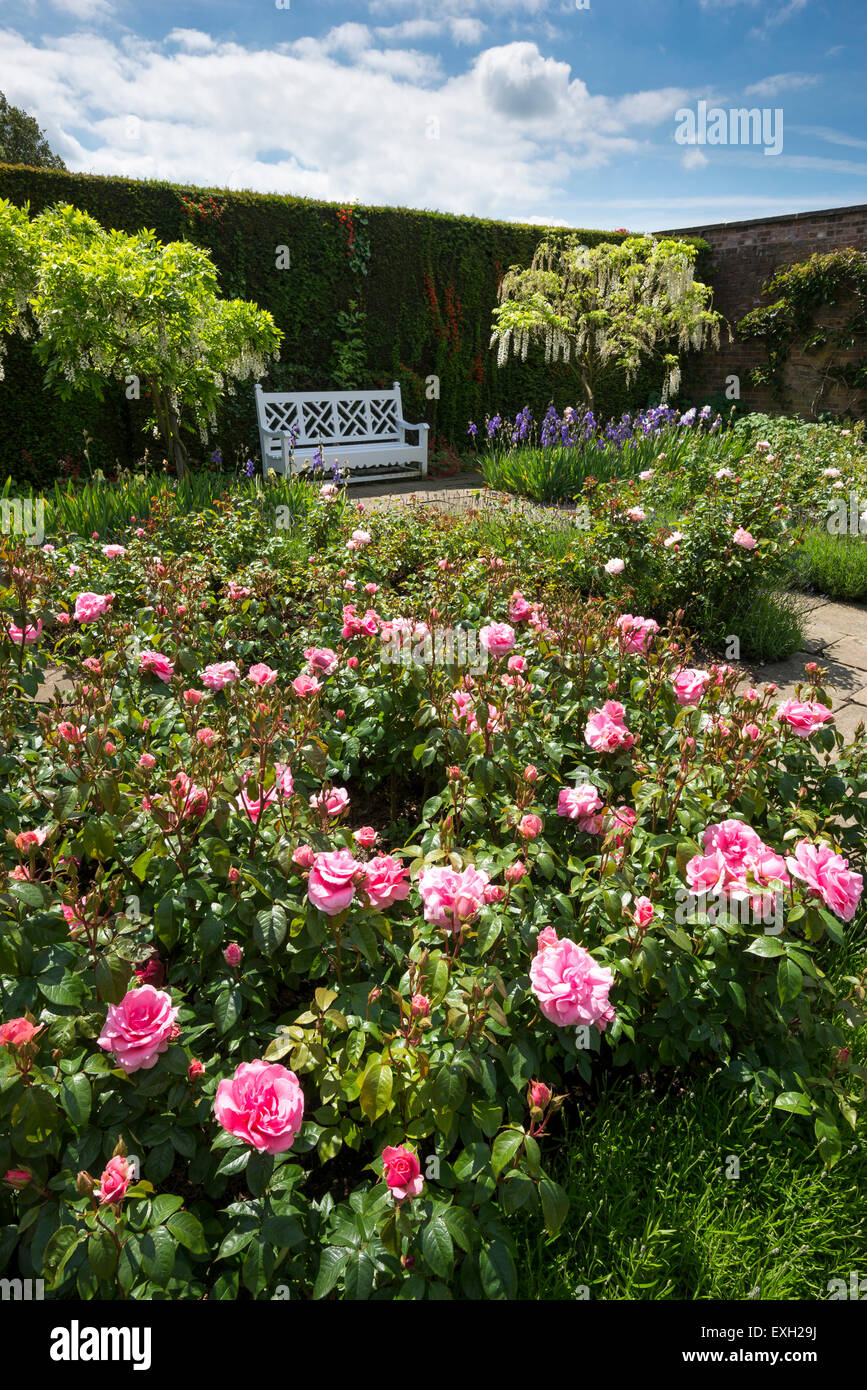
793,322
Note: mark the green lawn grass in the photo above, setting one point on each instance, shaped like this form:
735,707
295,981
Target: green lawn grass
654,1215
835,566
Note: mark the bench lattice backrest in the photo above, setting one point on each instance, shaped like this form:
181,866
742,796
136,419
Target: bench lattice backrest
359,417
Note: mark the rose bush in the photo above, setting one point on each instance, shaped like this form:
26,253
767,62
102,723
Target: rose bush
302,990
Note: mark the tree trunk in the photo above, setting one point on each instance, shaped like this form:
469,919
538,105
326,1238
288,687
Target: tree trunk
169,428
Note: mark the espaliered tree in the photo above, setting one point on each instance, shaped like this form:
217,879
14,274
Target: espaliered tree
612,304
107,305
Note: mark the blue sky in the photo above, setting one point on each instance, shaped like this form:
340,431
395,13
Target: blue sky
533,110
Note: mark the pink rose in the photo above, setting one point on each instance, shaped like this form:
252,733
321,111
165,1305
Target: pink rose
306,685
195,1069
420,1006
30,839
803,717
642,911
636,632
261,674
515,872
606,730
581,803
365,837
744,539
402,1172
219,674
193,697
735,841
139,1028
113,552
321,661
620,823
18,1032
331,884
451,898
828,875
304,856
690,685
255,808
497,638
89,607
494,893
615,565
263,1104
158,665
18,1177
116,1178
530,827
70,733
706,873
519,608
207,736
334,802
233,955
571,988
28,636
385,881
538,1094
147,761
283,783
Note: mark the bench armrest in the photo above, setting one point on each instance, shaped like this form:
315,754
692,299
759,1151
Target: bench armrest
405,425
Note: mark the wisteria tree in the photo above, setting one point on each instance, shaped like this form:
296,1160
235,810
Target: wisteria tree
107,305
612,304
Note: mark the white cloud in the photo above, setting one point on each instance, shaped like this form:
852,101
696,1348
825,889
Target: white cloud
461,31
340,117
834,137
694,159
85,10
458,8
467,31
194,40
782,82
777,17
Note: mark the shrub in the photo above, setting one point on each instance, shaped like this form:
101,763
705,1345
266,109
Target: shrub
423,900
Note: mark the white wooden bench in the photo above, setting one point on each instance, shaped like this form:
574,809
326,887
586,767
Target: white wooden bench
362,430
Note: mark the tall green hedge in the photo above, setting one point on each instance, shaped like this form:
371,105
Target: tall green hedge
428,294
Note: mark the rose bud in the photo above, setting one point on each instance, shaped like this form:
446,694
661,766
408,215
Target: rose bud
18,1177
196,1068
233,875
232,954
303,856
85,1183
515,872
530,773
539,1094
420,1007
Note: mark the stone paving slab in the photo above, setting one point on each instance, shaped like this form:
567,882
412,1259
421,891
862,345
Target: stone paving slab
837,640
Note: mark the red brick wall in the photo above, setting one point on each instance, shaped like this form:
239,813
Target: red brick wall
744,256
